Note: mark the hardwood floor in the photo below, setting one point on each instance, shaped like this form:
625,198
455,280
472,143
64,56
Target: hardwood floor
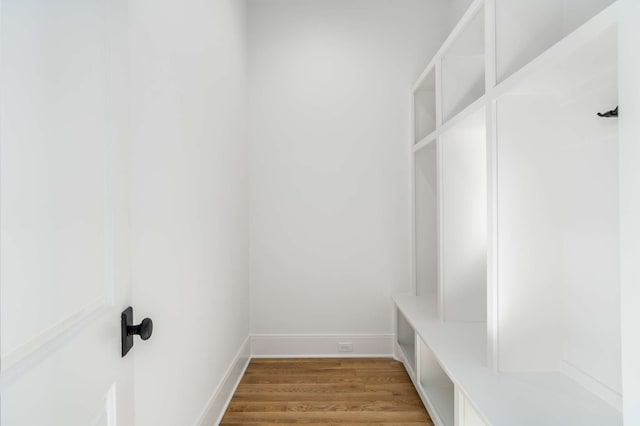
326,391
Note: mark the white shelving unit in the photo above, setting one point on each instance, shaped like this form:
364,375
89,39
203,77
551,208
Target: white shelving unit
515,313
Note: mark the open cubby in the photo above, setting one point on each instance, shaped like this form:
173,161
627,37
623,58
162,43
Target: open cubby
426,221
526,28
436,385
463,74
406,338
464,220
424,98
558,221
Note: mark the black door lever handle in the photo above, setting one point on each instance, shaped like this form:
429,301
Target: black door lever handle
128,330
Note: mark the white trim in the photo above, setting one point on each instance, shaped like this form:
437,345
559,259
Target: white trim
413,273
26,356
440,228
492,236
587,381
106,415
219,401
320,345
490,47
111,406
603,21
438,88
426,141
413,375
463,404
471,12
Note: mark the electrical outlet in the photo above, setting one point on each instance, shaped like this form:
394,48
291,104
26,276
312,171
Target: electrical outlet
345,347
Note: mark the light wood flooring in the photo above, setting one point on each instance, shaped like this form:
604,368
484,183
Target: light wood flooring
326,391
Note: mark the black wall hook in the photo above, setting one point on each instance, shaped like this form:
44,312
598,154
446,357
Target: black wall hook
612,113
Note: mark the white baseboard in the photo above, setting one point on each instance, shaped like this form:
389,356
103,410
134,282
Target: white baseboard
217,404
320,345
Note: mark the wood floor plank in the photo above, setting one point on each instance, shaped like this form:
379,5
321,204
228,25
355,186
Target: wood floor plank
301,387
372,391
308,396
354,405
328,416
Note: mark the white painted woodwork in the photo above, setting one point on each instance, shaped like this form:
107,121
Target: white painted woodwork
436,385
426,221
523,399
466,413
463,78
526,28
218,402
558,226
322,345
492,237
556,197
64,213
629,175
406,339
464,220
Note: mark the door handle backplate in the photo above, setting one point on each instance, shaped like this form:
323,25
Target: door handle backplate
128,330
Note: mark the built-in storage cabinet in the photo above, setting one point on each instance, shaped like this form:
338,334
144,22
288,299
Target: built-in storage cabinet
463,78
526,28
515,317
501,399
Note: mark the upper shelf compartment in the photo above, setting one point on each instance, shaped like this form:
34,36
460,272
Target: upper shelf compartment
424,98
463,64
525,28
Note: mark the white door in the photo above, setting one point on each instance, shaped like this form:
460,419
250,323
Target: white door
63,213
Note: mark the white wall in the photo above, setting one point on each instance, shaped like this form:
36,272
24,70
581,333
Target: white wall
329,85
189,201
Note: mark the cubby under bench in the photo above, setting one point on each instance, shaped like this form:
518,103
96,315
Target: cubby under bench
448,368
